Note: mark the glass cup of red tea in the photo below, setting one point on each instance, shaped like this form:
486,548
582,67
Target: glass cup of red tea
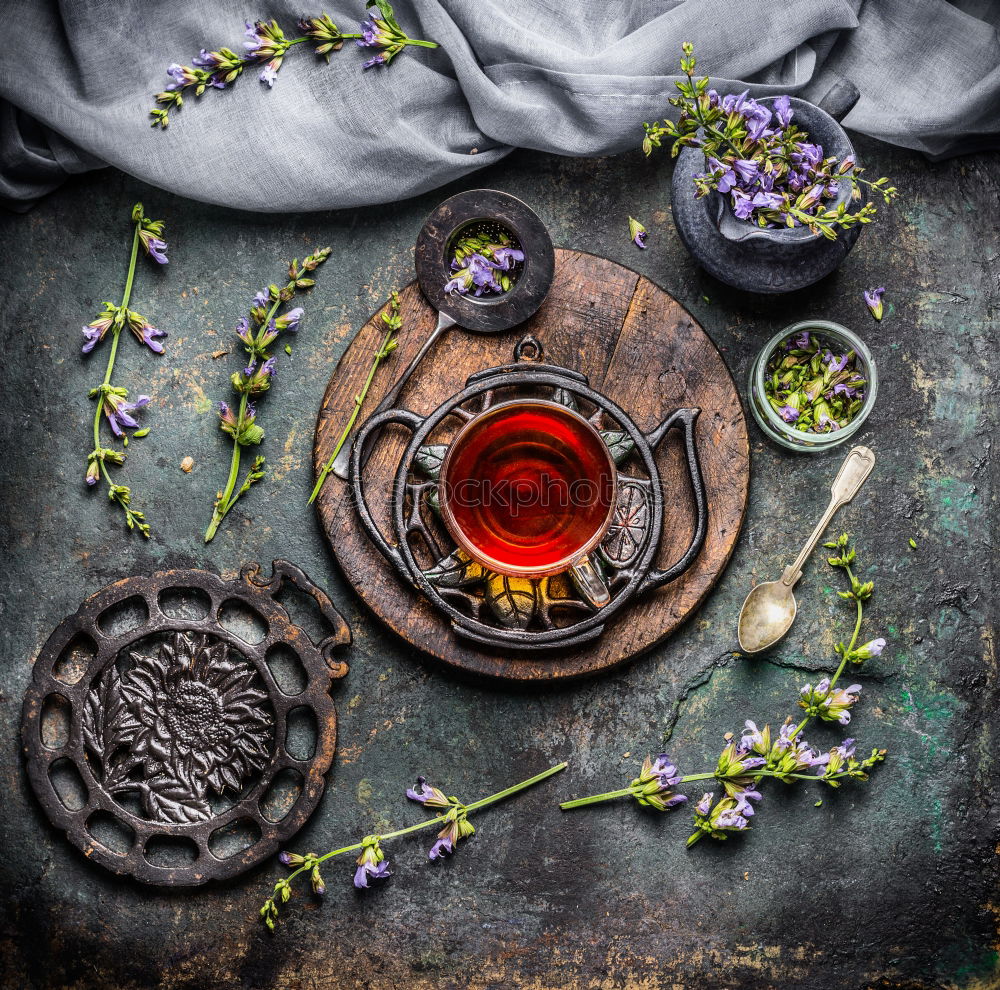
527,489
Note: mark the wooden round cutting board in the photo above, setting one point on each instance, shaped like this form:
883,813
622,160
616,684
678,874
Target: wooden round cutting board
639,347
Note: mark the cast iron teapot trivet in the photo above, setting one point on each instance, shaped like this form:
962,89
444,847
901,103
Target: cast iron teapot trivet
520,612
180,732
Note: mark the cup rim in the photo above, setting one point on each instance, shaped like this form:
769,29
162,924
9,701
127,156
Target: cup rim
787,434
540,570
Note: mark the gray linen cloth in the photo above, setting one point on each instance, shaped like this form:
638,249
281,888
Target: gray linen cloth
574,77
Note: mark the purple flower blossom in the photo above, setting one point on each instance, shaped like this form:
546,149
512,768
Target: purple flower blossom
440,848
149,336
768,200
733,104
727,179
290,320
783,110
652,788
93,336
811,196
833,364
181,76
831,705
367,872
731,820
873,299
262,298
428,796
243,330
156,248
636,231
757,122
742,204
371,36
268,74
205,60
845,390
372,864
379,59
754,740
743,796
745,169
802,341
871,649
119,412
716,822
788,413
811,154
507,257
836,758
254,40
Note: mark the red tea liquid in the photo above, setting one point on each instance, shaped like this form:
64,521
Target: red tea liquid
527,487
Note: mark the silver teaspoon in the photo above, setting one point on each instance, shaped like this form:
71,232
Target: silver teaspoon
769,609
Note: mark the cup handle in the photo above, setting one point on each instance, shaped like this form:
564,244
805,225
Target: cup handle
371,425
589,582
657,578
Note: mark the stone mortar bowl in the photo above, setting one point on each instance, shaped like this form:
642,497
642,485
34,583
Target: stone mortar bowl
759,259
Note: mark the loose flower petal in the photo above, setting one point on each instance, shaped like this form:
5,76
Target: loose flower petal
873,299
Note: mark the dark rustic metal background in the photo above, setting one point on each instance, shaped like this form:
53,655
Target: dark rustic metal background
888,884
55,679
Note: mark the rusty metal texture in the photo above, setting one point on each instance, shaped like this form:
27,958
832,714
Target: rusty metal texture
175,724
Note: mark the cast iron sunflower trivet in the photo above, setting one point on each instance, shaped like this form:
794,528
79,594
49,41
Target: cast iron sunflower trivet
179,726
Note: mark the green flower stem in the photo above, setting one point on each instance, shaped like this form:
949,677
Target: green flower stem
624,792
510,791
847,650
359,399
109,369
475,806
411,41
689,778
226,502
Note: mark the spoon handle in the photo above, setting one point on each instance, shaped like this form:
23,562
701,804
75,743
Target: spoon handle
852,474
342,463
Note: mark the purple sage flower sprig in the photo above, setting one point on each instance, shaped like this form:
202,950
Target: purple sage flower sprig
770,170
757,754
112,400
257,333
451,817
265,46
383,33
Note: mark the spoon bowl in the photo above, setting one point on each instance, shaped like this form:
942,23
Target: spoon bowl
767,614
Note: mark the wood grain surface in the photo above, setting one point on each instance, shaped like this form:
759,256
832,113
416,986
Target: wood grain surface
638,346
